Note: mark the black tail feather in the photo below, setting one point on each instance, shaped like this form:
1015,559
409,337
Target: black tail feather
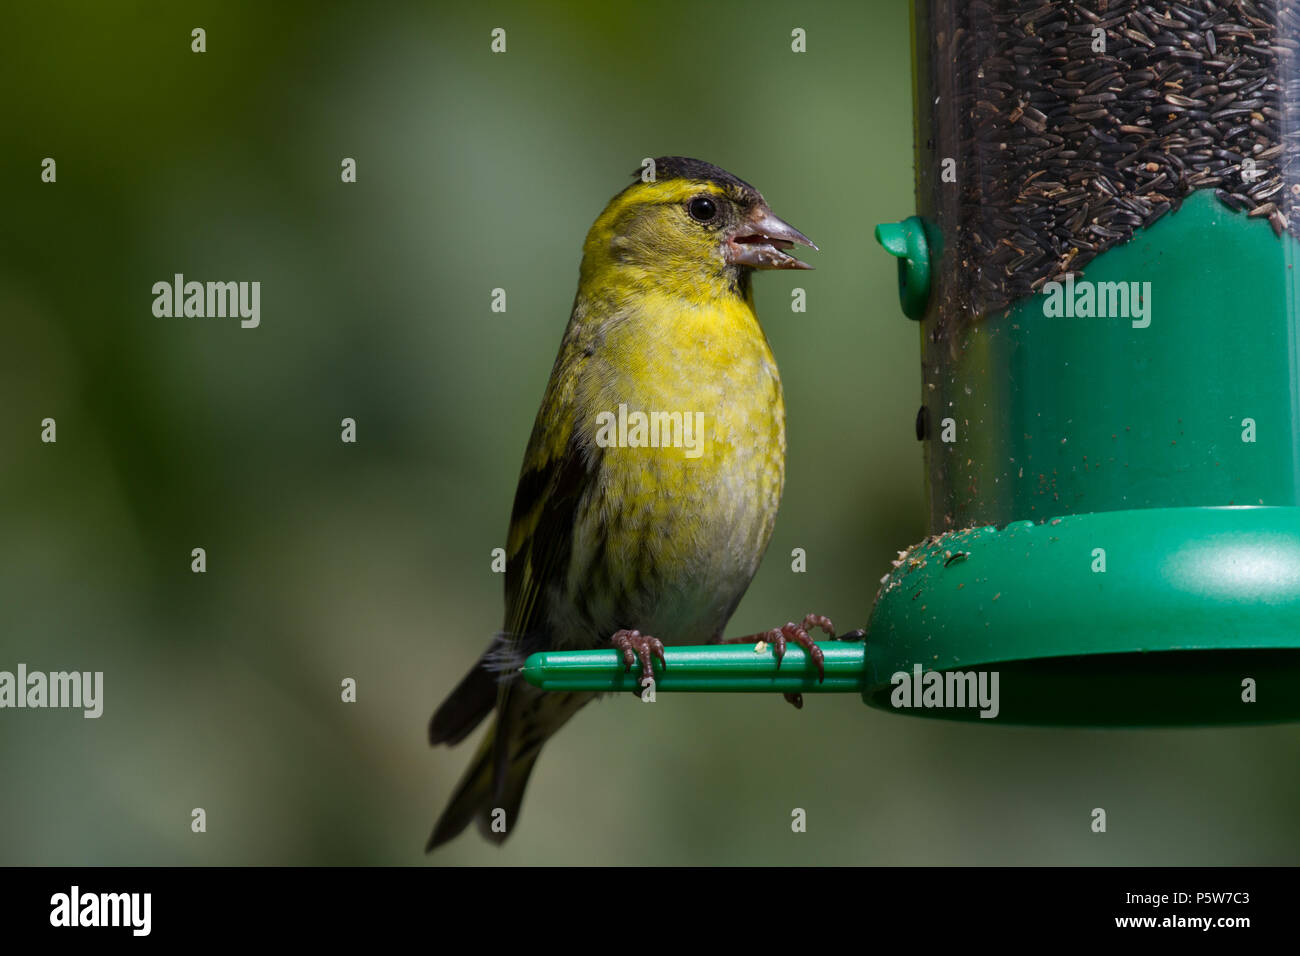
492,789
465,707
467,801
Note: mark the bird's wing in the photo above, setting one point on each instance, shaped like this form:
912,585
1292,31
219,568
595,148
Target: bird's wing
558,470
555,474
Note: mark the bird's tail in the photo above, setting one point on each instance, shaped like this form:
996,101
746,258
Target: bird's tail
492,789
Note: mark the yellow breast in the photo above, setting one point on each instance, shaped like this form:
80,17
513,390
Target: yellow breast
692,463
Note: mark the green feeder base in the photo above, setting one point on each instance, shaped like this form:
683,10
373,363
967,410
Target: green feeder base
1154,617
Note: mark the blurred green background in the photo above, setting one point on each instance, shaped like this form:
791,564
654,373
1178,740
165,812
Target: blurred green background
371,561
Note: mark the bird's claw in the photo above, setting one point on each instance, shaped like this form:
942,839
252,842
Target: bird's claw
634,644
790,631
778,637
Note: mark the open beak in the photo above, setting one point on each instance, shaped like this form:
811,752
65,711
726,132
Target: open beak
760,242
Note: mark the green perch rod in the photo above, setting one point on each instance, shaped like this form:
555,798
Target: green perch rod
726,668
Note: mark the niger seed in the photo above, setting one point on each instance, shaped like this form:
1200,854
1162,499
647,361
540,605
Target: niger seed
1076,149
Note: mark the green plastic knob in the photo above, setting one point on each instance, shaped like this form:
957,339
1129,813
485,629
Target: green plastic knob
906,241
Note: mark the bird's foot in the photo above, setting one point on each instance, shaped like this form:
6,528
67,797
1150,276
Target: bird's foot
634,644
778,637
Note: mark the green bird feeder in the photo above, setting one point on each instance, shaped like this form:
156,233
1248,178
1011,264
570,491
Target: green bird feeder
1102,269
1104,247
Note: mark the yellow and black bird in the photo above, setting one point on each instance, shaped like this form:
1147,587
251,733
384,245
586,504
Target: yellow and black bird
616,538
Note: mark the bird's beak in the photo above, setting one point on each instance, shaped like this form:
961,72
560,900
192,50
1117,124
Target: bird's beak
760,242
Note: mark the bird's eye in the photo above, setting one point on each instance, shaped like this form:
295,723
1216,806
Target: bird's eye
702,209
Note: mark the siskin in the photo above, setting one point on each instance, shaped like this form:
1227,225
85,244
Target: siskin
649,531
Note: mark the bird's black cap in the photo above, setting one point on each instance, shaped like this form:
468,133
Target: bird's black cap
683,167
